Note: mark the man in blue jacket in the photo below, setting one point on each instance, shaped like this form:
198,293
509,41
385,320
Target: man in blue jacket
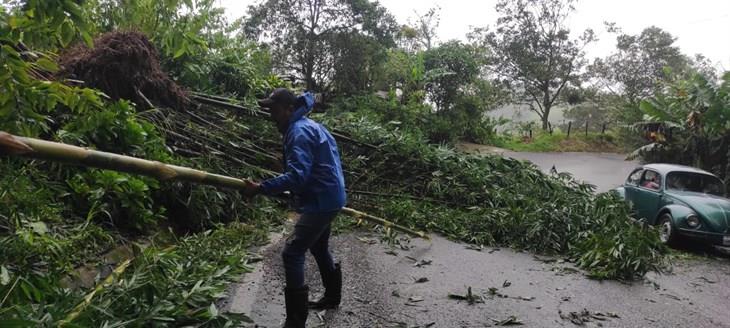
313,174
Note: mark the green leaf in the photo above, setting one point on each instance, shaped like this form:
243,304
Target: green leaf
38,227
213,310
67,33
47,65
654,111
179,52
87,39
4,275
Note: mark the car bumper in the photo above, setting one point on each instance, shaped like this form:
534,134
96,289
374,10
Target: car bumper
708,237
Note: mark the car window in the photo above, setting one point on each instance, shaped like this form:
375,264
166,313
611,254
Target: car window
634,177
695,182
651,180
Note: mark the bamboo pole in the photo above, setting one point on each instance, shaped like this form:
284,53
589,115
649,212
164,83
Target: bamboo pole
218,102
60,152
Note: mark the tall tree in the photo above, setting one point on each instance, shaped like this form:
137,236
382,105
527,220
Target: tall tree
449,68
640,65
307,37
637,66
534,52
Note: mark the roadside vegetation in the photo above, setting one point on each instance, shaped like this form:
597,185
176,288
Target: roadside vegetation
559,141
172,81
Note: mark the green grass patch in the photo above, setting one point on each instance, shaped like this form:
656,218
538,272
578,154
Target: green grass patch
558,141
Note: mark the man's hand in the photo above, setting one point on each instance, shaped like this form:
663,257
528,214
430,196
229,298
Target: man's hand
12,146
251,188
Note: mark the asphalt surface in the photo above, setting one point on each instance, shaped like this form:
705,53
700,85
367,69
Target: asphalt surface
383,289
384,286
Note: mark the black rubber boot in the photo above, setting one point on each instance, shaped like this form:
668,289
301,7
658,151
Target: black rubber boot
332,282
296,307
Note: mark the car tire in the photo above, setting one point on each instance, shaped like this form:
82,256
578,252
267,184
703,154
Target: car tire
667,232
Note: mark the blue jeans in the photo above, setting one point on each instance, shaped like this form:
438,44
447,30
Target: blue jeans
311,232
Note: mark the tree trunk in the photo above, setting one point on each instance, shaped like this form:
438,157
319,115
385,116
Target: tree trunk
545,121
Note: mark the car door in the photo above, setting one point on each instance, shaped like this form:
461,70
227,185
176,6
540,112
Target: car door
648,195
630,186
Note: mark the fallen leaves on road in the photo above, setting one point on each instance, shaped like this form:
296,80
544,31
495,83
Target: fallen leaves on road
511,321
470,297
369,241
419,263
413,300
585,316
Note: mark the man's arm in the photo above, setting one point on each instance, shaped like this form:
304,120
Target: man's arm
299,161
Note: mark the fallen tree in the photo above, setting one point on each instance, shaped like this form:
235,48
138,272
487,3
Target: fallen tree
165,172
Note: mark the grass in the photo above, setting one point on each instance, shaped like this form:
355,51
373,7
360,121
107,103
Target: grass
558,141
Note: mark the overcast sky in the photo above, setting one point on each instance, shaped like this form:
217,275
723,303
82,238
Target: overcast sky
701,26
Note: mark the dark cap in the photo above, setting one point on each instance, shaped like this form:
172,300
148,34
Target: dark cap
280,96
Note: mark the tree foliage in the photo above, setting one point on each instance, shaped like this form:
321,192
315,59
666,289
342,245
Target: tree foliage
450,67
533,51
639,67
696,112
312,39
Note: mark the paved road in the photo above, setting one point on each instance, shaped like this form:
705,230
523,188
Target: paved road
605,170
381,290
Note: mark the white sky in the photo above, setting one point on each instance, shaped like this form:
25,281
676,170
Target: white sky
701,26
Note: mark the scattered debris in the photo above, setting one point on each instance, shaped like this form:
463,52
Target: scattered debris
494,291
563,270
469,297
362,300
421,280
413,300
511,321
585,316
477,248
671,296
527,298
391,252
506,284
320,315
369,241
545,259
419,263
707,280
494,250
395,293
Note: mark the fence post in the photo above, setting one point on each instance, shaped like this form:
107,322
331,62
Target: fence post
586,128
603,128
530,134
570,124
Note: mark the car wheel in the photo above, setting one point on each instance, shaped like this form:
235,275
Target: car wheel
667,233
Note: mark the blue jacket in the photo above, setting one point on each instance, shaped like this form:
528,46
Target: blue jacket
313,170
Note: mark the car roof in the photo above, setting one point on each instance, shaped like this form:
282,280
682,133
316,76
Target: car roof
663,169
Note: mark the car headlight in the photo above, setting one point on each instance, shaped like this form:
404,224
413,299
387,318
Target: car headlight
693,221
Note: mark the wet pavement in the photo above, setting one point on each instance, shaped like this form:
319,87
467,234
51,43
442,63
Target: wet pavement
387,290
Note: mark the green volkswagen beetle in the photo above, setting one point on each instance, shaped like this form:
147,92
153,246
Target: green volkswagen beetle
684,202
